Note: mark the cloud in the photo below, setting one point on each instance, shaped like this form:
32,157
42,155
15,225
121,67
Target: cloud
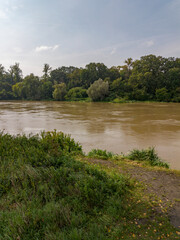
113,51
149,43
3,15
43,48
17,50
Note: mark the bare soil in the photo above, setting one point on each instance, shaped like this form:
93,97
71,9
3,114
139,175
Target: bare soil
162,184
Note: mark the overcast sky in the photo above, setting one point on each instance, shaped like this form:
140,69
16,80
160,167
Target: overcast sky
77,32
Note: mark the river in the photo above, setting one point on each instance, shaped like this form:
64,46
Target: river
114,127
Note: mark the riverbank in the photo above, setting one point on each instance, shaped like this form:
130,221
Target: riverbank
50,190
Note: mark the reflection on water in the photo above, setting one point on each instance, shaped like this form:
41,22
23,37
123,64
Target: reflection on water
115,127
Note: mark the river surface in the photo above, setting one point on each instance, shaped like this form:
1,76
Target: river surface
114,127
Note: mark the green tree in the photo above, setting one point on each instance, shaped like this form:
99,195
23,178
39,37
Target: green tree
32,87
162,95
59,91
46,90
92,72
76,93
46,71
18,90
15,73
98,90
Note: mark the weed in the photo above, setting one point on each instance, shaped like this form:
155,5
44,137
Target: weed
148,155
102,154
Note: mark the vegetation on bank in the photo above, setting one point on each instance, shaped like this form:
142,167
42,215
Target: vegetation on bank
150,78
147,155
47,193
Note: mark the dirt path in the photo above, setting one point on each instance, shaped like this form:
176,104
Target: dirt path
165,185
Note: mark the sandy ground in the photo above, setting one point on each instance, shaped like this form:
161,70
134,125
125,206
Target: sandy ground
164,185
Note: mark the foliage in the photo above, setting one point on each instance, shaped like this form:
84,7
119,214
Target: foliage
148,155
98,90
59,91
162,95
76,94
149,78
46,194
102,154
31,87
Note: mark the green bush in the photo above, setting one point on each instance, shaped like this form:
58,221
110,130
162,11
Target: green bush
148,155
76,93
101,154
162,95
98,90
59,91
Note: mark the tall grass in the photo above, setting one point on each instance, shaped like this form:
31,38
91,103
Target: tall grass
101,154
46,194
148,155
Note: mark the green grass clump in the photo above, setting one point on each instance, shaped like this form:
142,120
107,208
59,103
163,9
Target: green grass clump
148,155
101,154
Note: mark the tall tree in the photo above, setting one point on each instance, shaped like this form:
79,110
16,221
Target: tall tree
15,73
46,71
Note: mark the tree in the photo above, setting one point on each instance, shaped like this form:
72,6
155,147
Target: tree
46,71
98,90
32,87
162,95
46,90
58,76
59,91
18,90
92,72
15,73
76,93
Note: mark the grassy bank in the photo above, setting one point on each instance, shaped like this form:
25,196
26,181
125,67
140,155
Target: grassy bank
49,191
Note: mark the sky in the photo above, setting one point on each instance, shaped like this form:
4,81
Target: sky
77,32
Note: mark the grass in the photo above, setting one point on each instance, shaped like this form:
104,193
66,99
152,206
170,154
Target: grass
46,193
148,156
101,154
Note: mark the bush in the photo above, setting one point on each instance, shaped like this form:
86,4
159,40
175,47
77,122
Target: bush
76,94
162,95
148,155
101,154
98,90
59,91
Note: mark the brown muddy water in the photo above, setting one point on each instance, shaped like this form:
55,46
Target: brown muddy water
114,127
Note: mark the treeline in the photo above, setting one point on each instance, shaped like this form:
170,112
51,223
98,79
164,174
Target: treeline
150,78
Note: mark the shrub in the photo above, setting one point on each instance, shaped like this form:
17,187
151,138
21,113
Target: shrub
59,91
162,95
76,94
101,154
149,155
98,90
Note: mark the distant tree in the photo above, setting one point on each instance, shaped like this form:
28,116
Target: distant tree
46,71
92,72
46,90
18,90
15,73
58,76
98,90
162,95
76,93
59,91
32,87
